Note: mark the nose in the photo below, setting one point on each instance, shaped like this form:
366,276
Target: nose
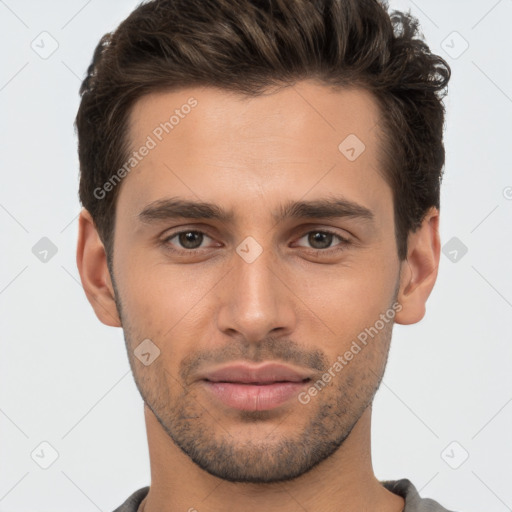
256,300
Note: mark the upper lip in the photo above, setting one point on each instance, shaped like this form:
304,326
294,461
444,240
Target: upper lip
261,374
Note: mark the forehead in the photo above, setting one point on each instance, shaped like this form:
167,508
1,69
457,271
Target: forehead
285,115
219,146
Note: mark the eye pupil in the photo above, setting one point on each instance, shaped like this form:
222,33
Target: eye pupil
187,239
316,236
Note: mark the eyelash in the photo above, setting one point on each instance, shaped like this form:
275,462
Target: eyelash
344,242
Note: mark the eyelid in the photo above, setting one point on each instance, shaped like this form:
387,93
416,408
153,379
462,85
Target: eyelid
166,240
343,239
303,231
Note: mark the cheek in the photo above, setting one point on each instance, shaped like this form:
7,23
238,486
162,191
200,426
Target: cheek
162,301
350,299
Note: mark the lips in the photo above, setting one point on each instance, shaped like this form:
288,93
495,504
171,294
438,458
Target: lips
266,373
255,388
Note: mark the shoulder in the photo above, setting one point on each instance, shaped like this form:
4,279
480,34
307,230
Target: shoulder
413,501
133,501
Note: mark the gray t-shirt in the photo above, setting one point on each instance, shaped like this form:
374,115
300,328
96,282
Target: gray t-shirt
403,487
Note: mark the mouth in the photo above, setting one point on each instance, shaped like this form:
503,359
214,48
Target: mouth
248,387
254,395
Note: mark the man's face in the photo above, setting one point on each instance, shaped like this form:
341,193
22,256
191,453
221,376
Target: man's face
209,298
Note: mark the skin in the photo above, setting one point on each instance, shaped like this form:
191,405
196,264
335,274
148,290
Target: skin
292,304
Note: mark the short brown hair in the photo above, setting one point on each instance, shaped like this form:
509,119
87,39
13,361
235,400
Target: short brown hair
249,46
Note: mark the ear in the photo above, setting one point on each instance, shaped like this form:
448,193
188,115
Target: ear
91,261
419,270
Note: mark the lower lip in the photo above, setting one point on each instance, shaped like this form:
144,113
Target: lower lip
253,397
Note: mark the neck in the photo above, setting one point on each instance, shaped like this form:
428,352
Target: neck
345,481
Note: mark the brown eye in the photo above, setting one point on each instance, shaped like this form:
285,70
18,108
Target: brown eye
321,240
190,239
186,241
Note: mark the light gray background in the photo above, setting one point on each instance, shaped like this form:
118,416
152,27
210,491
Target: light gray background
65,378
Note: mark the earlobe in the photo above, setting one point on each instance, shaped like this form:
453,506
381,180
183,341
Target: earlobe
419,270
92,266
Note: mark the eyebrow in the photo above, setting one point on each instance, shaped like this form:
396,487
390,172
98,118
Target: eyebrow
176,208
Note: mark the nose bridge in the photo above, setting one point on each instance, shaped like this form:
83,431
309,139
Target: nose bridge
254,300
